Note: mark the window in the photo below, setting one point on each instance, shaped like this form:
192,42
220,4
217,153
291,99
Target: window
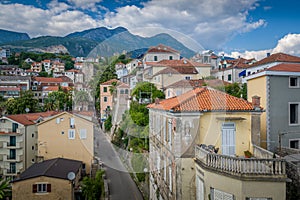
104,89
199,189
82,133
32,135
12,168
295,144
12,140
41,188
229,77
155,58
71,134
220,195
294,82
170,57
170,131
12,154
170,177
57,120
187,78
32,147
72,122
105,99
294,113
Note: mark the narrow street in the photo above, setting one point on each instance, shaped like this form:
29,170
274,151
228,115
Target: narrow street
121,185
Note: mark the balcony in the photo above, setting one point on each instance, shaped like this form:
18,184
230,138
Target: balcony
6,130
241,167
15,158
16,145
11,172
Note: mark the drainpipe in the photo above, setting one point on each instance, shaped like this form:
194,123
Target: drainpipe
25,147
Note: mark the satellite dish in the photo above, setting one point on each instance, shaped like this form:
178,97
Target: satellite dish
71,176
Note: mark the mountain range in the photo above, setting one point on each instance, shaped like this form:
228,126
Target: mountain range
93,42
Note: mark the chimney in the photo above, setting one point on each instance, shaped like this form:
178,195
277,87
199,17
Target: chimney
256,102
156,100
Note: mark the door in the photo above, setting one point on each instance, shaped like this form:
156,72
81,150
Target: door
228,139
14,127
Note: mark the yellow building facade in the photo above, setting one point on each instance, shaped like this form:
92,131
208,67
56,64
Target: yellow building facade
67,136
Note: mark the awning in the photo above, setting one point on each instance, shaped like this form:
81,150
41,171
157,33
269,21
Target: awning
242,73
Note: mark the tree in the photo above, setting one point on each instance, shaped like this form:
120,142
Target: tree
147,89
4,188
25,103
92,189
58,100
81,97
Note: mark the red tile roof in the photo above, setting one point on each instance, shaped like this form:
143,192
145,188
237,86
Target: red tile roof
277,57
161,49
179,63
178,70
199,83
47,79
9,88
30,118
50,88
285,67
201,100
109,82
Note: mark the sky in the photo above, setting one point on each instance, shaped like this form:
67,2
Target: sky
247,28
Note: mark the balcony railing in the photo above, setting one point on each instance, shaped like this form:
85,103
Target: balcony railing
16,145
255,167
11,171
15,158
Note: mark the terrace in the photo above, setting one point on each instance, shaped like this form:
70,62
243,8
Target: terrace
262,165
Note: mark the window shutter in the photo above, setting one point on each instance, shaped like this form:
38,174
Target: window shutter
34,188
48,187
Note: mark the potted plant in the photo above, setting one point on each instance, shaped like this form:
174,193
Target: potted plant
248,154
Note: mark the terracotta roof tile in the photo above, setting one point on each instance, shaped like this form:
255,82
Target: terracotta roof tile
201,100
277,57
30,118
286,67
198,83
50,88
161,49
109,82
10,89
178,70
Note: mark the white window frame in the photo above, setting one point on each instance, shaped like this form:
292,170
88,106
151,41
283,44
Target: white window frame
289,109
170,176
83,134
295,139
38,185
298,82
71,134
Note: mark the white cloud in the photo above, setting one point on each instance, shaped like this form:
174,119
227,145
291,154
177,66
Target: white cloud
84,4
210,22
289,44
56,21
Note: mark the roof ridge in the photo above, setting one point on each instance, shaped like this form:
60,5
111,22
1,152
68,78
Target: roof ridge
193,94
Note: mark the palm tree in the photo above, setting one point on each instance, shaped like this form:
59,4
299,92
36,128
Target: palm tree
81,97
4,188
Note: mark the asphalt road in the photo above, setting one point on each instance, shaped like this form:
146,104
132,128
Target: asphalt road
121,186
